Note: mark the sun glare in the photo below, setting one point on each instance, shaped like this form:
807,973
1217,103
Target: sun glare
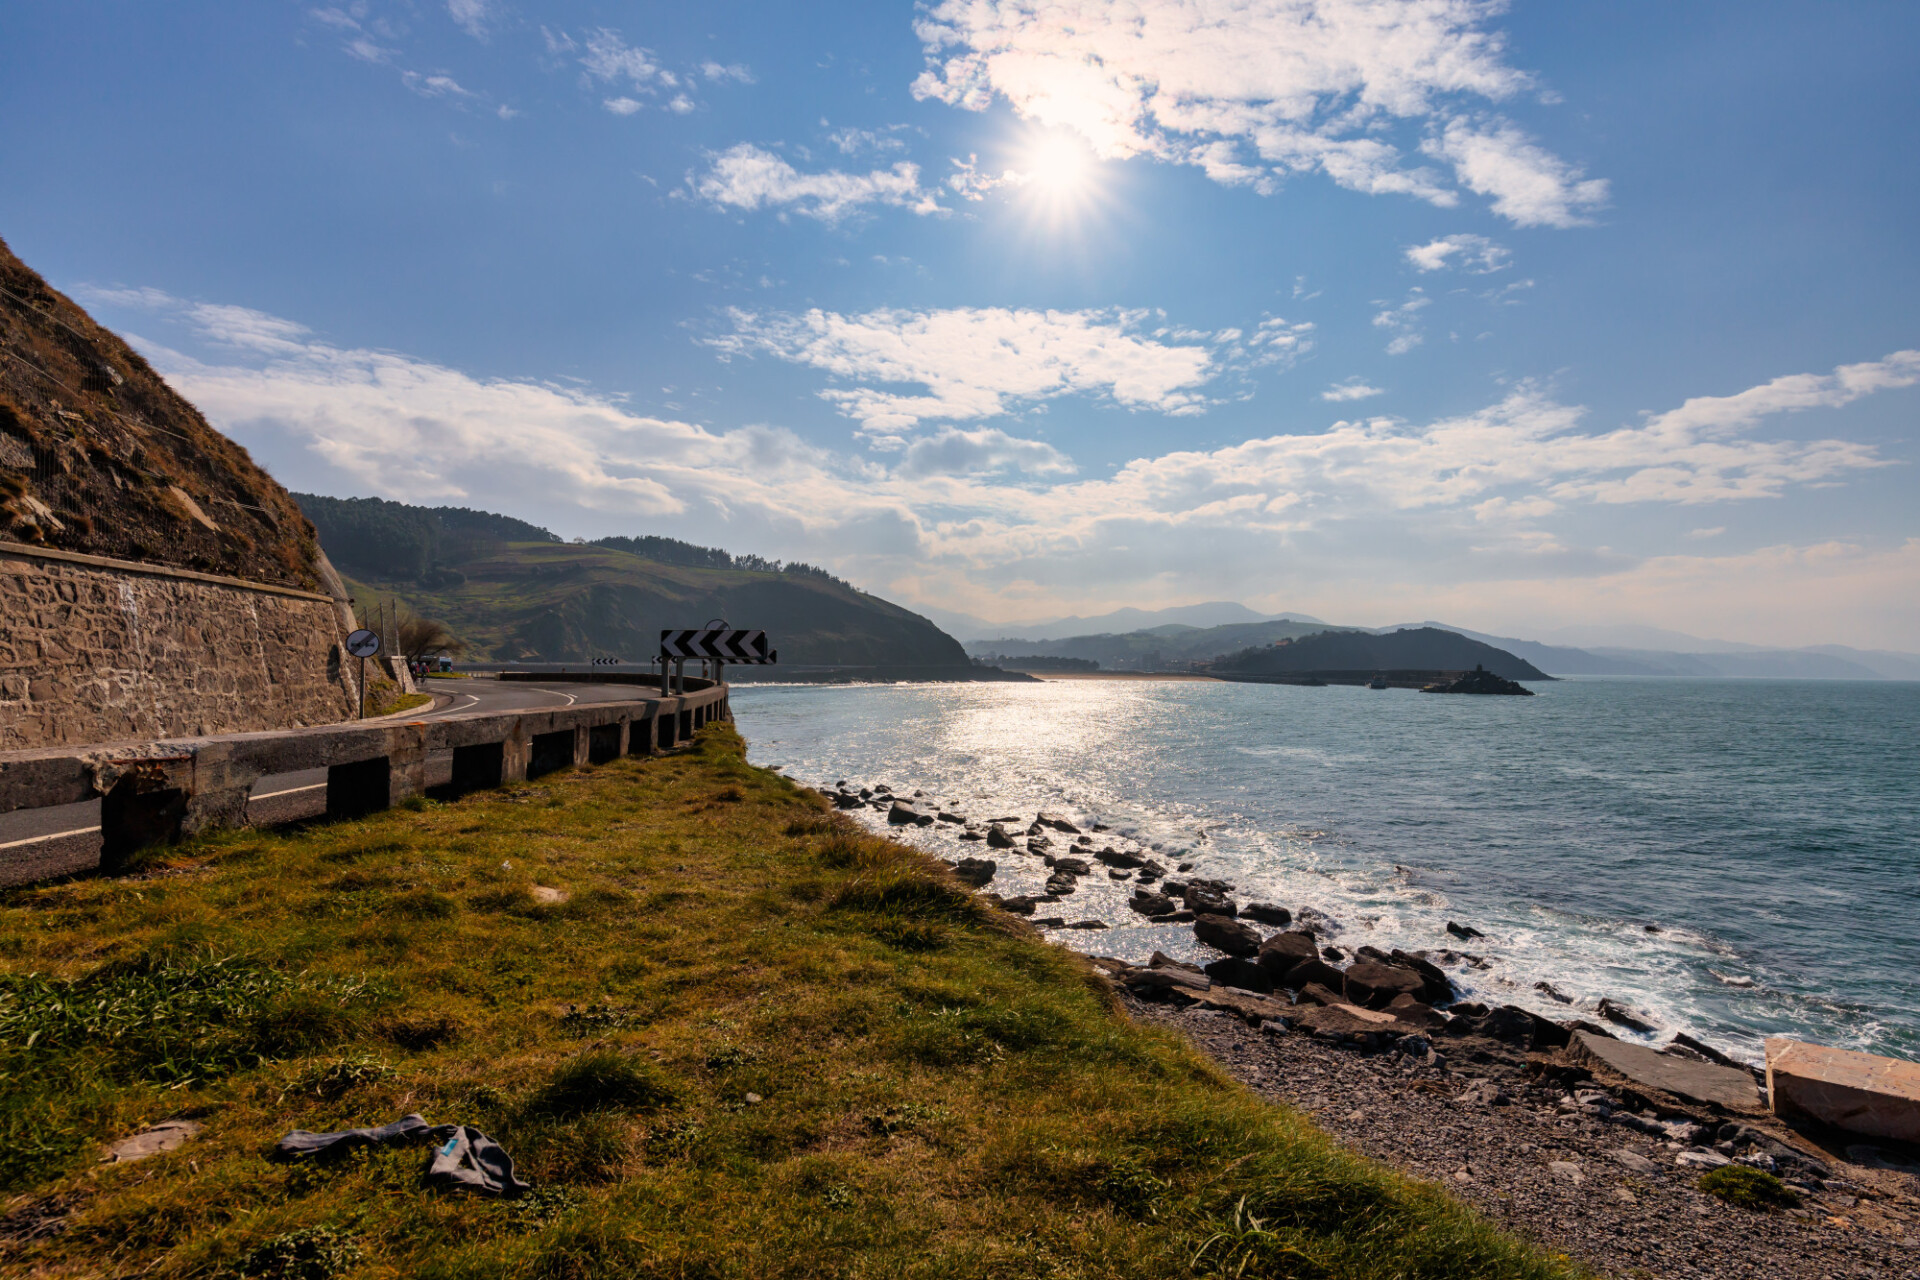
1060,178
1059,163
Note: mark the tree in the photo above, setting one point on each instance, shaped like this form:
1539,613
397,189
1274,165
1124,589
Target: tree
420,636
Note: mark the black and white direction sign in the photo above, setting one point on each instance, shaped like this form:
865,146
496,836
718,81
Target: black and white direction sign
363,643
728,645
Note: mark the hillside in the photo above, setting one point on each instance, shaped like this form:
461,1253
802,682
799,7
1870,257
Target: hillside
99,455
1416,649
1152,649
515,592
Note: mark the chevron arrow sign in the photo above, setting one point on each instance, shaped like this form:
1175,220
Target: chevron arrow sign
730,646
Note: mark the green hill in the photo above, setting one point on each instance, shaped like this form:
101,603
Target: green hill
1154,648
1415,648
516,593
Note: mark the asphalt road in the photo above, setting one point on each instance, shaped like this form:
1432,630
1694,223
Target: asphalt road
36,844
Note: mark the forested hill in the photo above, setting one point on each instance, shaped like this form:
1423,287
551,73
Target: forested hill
515,592
1412,649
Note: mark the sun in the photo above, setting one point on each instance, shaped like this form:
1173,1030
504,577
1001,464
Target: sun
1058,163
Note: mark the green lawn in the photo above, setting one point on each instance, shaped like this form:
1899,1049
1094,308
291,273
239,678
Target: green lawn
752,1042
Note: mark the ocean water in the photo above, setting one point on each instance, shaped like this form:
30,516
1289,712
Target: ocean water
1734,859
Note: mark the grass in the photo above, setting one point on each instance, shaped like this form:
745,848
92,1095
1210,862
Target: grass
386,700
753,1042
1749,1188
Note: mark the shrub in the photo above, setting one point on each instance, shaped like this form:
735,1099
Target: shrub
1748,1187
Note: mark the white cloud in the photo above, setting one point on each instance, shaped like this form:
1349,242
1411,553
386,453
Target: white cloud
1351,389
623,106
610,58
1457,512
680,104
1403,322
1713,532
1530,187
746,177
1475,254
471,16
1252,91
977,362
736,72
434,86
969,183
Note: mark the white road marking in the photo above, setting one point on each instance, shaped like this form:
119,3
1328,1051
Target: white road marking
313,786
57,835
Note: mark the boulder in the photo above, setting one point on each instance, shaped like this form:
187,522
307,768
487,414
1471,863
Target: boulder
1727,1087
1020,906
1057,822
1240,972
1072,866
1115,858
1161,960
1088,924
1621,1016
1267,913
1439,988
1858,1092
1209,903
1340,1018
997,837
1463,931
1182,916
1413,1013
1245,1005
901,813
975,871
1115,873
1038,844
845,801
1284,950
971,835
948,816
1150,904
1234,937
1312,973
1373,986
1319,993
1060,883
1164,983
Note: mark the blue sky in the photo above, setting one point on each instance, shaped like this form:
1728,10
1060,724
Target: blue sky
1522,316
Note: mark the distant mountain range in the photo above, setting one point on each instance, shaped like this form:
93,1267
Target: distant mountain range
1218,613
1118,641
1430,649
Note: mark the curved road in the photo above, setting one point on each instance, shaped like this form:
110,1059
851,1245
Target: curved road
39,843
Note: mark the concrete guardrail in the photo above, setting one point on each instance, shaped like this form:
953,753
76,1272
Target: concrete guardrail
158,791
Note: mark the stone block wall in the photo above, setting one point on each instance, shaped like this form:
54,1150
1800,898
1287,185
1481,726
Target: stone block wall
97,650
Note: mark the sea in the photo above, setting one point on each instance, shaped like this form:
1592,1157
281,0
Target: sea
1735,859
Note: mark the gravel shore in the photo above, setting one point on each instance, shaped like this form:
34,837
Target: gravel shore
1483,1122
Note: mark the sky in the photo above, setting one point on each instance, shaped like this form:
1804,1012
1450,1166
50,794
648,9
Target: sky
1522,316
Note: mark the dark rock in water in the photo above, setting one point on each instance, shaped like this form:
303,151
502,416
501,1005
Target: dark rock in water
1234,937
1088,924
1237,971
1548,990
1178,888
971,835
1181,916
866,793
1314,973
1621,1016
1463,932
1211,886
1439,988
881,788
1057,822
1207,902
975,871
948,816
1284,950
1186,866
1479,680
1150,904
1020,906
1051,922
1334,954
901,814
1267,913
1591,1028
1115,873
997,837
1060,883
1038,844
844,801
1374,986
1072,866
1115,858
1374,954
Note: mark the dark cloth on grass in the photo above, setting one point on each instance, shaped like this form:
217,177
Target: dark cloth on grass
463,1158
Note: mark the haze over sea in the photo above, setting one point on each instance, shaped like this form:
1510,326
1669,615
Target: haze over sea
1663,842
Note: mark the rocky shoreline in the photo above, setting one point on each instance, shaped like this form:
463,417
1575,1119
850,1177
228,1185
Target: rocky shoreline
1587,1142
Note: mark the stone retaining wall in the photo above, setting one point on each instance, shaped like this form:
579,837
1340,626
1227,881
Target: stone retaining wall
98,650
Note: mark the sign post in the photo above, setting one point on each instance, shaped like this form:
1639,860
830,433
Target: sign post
363,644
716,644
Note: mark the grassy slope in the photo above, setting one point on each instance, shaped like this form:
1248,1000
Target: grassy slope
561,602
942,1093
